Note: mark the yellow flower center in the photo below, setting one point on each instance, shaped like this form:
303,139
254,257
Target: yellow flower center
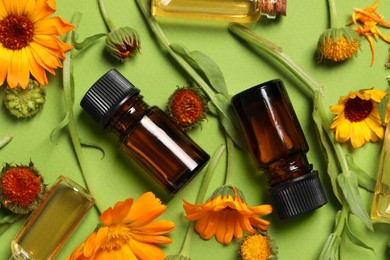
118,235
357,109
16,32
20,186
255,247
339,50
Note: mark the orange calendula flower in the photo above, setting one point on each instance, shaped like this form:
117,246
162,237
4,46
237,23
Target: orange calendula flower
129,231
21,188
187,107
366,21
226,215
28,43
357,117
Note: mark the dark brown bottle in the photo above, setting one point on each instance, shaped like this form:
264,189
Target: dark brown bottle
278,145
146,133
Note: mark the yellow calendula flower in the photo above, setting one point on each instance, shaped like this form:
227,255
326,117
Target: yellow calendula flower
357,118
129,231
338,44
226,215
259,246
28,43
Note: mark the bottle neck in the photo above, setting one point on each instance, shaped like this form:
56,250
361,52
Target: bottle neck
272,8
289,167
127,115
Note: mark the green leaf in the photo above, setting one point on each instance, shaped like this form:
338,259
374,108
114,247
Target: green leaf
60,126
228,119
364,180
87,42
330,250
356,240
7,220
204,64
349,185
383,104
328,151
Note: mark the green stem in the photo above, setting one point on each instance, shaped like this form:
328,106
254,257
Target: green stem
155,27
201,195
185,248
326,127
230,158
107,20
5,140
333,14
68,95
209,173
275,52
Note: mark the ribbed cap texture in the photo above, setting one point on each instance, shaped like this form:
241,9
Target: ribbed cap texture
106,96
298,196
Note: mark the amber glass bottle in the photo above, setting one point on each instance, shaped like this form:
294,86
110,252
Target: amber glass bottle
278,145
146,133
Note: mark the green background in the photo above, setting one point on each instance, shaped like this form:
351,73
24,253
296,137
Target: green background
116,177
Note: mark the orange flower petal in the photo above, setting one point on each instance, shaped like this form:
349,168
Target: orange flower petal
36,70
158,227
52,26
51,62
5,63
221,231
140,215
120,210
42,9
18,73
146,251
151,239
106,217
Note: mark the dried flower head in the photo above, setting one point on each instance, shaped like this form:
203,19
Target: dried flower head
259,246
123,43
187,107
128,231
25,103
366,21
338,44
21,188
225,215
28,43
357,117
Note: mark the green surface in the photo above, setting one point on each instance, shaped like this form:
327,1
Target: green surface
156,75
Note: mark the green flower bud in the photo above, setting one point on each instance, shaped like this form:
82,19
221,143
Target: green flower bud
122,43
25,103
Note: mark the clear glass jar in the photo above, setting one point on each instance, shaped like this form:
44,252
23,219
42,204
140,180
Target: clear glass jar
50,225
240,11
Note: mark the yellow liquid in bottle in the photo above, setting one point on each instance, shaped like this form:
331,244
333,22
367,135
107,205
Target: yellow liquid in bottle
48,227
242,11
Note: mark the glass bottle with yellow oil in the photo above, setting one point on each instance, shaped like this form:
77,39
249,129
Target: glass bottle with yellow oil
239,11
